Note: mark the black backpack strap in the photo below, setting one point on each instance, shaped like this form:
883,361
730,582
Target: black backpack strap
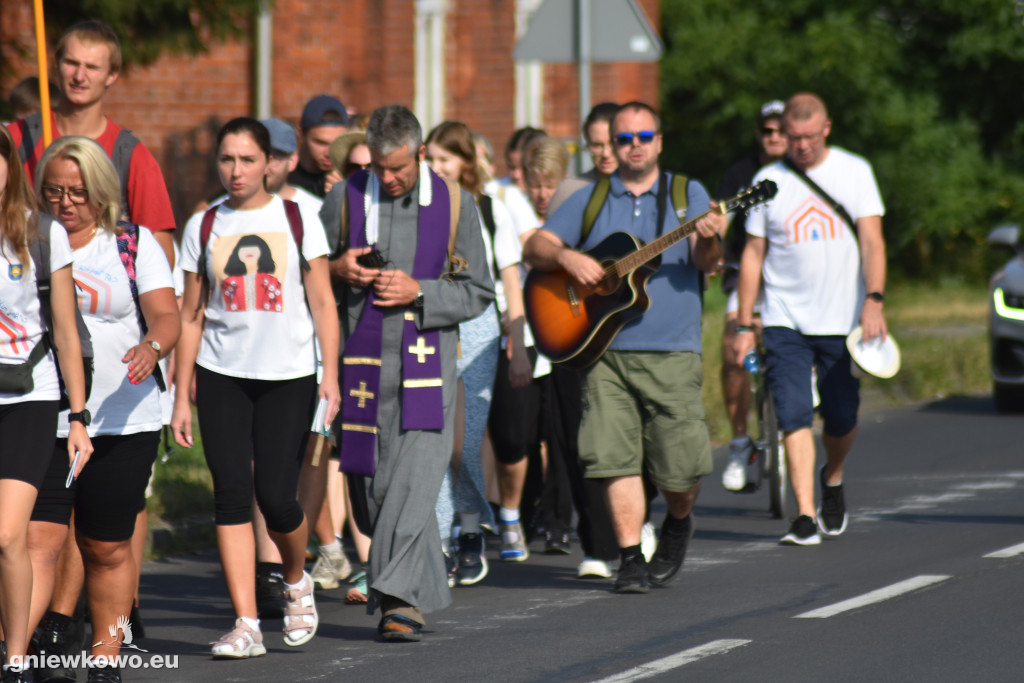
39,251
31,134
487,215
820,191
124,147
205,229
291,210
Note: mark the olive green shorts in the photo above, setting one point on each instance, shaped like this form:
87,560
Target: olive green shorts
644,409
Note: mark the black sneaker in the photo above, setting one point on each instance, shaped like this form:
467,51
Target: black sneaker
557,543
472,563
803,531
632,576
269,590
56,635
13,674
671,552
104,674
832,516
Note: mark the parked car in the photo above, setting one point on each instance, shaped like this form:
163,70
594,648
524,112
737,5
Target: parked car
1006,323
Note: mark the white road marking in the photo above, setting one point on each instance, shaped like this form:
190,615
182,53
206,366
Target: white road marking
1008,552
873,597
660,666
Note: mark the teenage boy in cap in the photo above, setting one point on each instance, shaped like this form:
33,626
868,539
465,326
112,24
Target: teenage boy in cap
771,146
323,119
284,159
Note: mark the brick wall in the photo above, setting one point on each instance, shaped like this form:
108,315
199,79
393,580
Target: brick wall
359,50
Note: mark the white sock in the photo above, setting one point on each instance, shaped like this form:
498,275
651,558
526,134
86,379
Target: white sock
508,515
293,586
470,522
446,545
254,624
333,548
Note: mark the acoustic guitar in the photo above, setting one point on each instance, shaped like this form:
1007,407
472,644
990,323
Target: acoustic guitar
573,323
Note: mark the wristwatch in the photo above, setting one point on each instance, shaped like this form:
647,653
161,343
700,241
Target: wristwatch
85,417
876,296
156,346
418,301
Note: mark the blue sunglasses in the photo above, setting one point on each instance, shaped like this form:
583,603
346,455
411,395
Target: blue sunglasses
645,137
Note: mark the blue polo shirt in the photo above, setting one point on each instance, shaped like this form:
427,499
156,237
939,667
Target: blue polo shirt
672,323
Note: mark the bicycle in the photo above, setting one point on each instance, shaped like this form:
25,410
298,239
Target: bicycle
769,454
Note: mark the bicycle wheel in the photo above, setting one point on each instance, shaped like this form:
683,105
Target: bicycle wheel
775,458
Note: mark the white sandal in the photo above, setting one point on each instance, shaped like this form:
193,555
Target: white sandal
300,616
241,642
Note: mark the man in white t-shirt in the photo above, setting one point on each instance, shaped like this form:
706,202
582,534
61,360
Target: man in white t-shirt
816,270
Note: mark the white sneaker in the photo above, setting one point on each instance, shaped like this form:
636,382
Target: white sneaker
591,567
734,478
648,541
330,569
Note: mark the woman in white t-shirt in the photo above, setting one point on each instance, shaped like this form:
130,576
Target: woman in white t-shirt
451,153
247,339
126,297
28,413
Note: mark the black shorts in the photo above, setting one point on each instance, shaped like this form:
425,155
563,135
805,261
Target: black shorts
109,492
27,433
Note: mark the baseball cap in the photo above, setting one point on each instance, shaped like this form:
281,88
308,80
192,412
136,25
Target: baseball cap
770,109
282,136
314,114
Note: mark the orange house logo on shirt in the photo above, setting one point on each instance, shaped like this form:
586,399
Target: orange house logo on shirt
811,223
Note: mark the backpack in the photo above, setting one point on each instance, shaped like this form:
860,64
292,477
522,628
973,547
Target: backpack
124,146
39,250
291,210
128,250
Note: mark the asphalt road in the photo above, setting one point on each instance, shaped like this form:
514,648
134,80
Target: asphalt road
909,593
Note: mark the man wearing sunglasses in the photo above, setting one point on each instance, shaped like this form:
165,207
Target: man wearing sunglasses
771,146
820,251
642,405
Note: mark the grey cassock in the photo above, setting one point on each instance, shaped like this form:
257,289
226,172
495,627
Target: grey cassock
405,553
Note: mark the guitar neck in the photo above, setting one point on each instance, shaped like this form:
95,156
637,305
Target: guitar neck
628,264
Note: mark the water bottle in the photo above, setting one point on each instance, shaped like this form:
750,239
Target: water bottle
751,363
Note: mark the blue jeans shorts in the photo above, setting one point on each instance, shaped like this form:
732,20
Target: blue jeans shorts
789,356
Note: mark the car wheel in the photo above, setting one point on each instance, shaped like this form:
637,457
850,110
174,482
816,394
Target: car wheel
1008,398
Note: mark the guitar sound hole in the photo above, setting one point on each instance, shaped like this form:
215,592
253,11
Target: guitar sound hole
608,284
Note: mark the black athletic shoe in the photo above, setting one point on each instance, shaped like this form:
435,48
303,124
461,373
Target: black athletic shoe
557,543
269,590
56,635
671,552
803,531
832,516
104,674
632,576
12,674
471,561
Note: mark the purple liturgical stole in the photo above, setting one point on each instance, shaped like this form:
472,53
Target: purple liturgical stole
422,402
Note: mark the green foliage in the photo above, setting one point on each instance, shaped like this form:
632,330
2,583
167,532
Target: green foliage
927,90
150,28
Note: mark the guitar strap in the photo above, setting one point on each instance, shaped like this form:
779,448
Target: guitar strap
820,191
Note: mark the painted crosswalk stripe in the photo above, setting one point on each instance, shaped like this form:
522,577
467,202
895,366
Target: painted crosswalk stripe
660,666
1008,552
875,596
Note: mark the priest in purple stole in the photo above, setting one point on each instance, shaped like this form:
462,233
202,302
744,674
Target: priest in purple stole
400,318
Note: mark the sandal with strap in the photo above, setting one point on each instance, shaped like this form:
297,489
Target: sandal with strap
300,616
241,642
357,594
400,629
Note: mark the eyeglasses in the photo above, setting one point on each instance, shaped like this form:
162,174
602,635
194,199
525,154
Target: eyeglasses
76,195
768,131
645,137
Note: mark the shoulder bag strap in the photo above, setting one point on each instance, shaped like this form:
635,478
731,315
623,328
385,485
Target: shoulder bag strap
820,191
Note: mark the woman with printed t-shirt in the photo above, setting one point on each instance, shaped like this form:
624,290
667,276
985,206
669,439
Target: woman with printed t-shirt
126,296
29,396
247,337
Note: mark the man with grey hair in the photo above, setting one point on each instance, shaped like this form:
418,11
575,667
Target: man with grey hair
409,267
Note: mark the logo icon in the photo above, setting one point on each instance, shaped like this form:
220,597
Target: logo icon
125,627
14,271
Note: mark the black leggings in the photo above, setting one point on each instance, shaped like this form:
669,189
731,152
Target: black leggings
515,416
255,431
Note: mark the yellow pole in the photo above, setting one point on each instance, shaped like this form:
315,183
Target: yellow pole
44,80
